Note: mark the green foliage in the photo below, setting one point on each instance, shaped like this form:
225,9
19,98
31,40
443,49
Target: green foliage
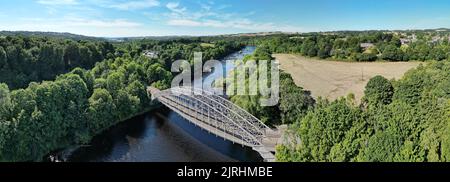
5,99
3,59
156,73
348,46
324,127
446,137
393,53
382,147
33,59
101,111
378,90
77,105
412,125
294,102
366,57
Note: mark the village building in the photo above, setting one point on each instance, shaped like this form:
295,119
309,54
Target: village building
151,54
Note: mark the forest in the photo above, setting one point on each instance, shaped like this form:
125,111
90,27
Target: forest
363,46
25,59
405,120
59,92
69,91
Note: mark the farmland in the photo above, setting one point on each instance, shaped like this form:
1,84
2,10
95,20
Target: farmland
334,79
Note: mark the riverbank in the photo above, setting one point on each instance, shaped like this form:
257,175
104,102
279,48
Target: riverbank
61,155
159,135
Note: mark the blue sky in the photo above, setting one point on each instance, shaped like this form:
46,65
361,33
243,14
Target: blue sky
117,18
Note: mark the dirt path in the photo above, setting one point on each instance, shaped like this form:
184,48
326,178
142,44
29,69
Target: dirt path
333,79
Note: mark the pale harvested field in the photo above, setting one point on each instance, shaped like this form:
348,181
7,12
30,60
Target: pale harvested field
333,79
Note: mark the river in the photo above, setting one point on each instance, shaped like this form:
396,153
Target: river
163,136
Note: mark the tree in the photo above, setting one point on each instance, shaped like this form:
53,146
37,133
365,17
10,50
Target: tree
437,54
325,127
378,90
114,82
366,57
157,73
382,147
5,102
3,59
446,137
72,56
101,111
294,102
136,88
126,104
392,53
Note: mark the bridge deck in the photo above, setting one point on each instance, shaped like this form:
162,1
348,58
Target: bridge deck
191,116
266,148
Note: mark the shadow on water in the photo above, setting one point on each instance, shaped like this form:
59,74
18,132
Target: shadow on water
161,136
164,136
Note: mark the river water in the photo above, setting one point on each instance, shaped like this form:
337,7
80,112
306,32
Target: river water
164,136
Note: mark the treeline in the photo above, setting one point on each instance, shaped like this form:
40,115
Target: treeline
406,120
169,51
75,107
25,59
294,102
363,46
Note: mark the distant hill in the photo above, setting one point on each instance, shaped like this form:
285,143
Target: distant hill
49,34
124,39
174,37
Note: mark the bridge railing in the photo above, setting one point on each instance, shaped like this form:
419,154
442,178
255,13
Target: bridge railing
229,105
255,128
214,118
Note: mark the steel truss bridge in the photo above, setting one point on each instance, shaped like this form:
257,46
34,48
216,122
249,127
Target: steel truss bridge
221,117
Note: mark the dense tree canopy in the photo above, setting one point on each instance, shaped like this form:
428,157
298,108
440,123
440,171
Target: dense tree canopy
27,59
378,90
410,124
96,84
294,102
103,85
362,46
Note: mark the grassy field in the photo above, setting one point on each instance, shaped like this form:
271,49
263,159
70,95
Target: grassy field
207,45
333,79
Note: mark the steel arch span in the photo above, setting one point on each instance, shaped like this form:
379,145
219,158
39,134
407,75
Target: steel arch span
219,116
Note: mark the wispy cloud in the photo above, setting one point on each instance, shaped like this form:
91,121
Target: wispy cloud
91,27
116,23
243,24
57,2
93,17
213,18
175,7
134,5
77,22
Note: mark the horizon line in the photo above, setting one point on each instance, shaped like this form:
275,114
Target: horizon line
214,35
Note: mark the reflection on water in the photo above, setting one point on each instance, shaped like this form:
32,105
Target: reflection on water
163,136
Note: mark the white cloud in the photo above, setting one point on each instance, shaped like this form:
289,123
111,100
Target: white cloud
175,7
243,24
93,27
207,16
135,5
189,23
205,7
116,23
58,2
